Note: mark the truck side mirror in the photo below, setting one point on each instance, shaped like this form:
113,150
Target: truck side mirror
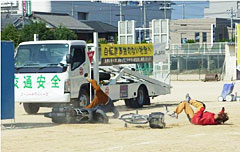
68,58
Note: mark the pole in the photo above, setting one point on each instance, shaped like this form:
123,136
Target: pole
165,9
139,36
36,37
23,14
11,8
96,61
183,11
232,14
232,22
120,11
144,20
90,67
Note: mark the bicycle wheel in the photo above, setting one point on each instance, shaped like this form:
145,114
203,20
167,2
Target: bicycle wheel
135,118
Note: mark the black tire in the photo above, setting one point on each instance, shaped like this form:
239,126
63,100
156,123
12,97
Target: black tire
83,99
31,108
100,117
140,100
128,102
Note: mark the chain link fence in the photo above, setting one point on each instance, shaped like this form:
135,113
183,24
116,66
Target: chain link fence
194,60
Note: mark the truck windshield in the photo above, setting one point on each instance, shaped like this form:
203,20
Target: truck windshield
41,55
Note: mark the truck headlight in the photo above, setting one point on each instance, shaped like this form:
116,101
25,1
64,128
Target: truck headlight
67,86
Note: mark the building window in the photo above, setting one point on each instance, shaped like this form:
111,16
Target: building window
82,16
197,37
183,40
204,36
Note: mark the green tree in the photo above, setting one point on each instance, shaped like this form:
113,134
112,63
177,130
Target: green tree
28,31
10,33
62,33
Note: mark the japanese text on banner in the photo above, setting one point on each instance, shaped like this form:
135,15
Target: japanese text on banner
126,50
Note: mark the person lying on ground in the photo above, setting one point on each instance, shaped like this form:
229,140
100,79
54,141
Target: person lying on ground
200,116
102,100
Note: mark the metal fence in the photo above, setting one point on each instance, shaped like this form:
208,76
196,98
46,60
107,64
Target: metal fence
194,60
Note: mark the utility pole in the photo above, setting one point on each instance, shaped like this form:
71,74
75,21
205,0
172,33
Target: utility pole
144,19
232,13
23,13
183,11
11,7
165,8
120,10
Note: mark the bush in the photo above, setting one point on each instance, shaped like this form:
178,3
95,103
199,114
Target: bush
190,41
27,32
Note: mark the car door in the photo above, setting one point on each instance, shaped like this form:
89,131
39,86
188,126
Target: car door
79,66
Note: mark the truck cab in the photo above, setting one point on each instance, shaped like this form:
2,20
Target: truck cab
50,72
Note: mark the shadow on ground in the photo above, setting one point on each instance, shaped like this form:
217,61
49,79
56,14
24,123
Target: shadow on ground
26,125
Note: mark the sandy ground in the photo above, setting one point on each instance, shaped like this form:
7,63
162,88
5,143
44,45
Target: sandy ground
39,134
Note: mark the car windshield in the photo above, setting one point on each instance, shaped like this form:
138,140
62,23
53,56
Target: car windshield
41,55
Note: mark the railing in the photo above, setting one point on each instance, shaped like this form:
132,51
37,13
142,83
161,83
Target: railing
192,61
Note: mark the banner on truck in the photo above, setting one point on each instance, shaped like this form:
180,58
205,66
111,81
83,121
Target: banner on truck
238,47
38,87
126,53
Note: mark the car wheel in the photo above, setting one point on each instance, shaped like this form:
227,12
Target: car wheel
31,108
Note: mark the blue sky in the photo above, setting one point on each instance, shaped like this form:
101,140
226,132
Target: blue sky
193,9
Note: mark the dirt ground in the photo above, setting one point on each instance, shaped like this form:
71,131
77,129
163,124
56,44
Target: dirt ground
37,133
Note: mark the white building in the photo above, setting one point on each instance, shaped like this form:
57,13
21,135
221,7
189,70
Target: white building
222,9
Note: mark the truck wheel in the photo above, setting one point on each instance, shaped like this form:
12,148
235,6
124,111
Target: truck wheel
140,100
83,99
128,102
141,97
31,108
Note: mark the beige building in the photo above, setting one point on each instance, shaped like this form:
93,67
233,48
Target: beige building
205,30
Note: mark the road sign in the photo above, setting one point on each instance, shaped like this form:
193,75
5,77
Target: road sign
90,55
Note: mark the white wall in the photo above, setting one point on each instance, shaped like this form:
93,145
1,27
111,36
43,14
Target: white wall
230,63
41,6
218,9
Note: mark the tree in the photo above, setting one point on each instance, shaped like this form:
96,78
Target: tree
10,33
27,32
62,33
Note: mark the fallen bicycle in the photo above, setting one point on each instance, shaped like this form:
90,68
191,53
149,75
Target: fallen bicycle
155,119
68,114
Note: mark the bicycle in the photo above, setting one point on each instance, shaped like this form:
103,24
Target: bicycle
135,118
155,120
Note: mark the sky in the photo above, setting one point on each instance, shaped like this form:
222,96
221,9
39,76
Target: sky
192,9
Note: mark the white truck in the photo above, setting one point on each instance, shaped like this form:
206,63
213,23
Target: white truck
52,72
